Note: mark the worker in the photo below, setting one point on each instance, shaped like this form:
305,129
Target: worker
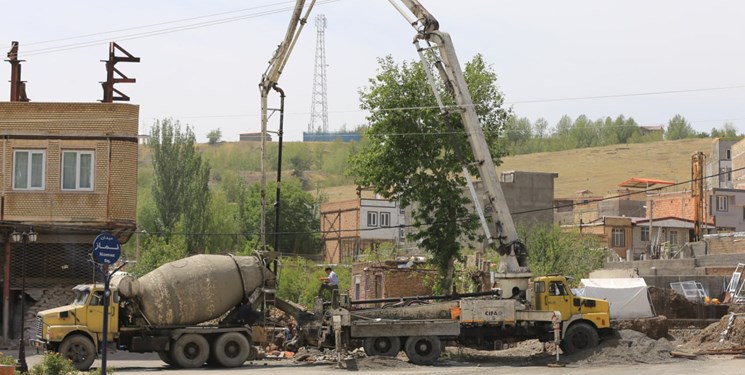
332,279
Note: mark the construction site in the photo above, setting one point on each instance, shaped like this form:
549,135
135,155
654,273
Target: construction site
668,298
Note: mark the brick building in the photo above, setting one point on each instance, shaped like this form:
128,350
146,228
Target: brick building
390,279
723,208
69,172
351,227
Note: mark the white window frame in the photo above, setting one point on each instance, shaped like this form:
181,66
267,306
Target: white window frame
30,154
722,203
402,234
618,237
372,218
385,219
78,153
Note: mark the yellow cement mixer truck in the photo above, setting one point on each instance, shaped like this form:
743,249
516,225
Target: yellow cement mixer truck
186,311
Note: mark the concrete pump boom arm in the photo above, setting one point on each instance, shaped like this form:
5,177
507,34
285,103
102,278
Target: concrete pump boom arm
512,251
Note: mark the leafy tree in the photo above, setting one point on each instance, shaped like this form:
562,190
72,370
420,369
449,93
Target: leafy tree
679,128
214,136
540,128
555,251
728,131
416,156
299,280
180,183
298,223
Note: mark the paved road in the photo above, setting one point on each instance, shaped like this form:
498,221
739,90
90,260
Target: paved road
126,363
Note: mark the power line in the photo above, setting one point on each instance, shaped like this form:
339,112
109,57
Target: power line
169,30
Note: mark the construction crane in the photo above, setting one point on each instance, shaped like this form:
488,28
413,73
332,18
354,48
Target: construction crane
269,81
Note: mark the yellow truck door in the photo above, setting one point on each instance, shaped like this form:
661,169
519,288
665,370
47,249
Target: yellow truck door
95,313
553,295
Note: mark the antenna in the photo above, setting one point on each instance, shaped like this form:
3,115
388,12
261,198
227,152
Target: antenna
319,114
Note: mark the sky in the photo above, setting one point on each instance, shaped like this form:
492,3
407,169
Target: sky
201,61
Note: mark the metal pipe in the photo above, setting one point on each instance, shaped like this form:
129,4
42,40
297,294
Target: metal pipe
428,298
277,202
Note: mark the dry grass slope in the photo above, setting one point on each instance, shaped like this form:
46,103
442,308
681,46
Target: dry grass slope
598,169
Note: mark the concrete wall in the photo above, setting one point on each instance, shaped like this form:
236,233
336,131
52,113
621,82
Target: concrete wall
529,196
734,216
738,165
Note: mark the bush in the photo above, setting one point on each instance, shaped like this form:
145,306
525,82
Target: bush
300,280
109,371
54,364
7,359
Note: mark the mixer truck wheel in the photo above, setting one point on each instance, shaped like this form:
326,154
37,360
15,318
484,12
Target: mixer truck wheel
190,351
231,349
579,336
382,346
423,350
80,350
165,357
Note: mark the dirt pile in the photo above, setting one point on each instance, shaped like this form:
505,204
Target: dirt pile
710,338
655,328
626,346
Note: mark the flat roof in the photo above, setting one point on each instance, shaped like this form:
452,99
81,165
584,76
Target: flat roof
643,183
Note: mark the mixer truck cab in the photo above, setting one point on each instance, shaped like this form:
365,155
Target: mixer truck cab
76,329
583,319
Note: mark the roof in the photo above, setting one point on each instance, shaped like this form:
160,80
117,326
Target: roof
643,183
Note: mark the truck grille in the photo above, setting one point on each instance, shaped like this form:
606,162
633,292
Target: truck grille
39,327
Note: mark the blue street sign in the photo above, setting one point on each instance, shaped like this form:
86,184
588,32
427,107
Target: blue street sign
106,249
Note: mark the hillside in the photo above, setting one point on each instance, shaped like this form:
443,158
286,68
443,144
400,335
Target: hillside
598,169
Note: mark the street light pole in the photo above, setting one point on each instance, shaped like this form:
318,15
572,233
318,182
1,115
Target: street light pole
24,238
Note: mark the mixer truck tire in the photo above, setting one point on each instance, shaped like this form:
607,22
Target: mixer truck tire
190,351
165,357
80,350
423,350
382,346
231,349
579,336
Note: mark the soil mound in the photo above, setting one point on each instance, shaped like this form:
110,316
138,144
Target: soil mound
710,338
627,346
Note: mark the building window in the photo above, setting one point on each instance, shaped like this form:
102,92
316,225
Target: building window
673,238
77,170
402,234
619,238
28,169
372,219
645,234
722,203
385,219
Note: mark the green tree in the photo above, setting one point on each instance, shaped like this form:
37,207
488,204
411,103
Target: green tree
180,183
416,156
679,128
555,251
298,224
728,130
214,136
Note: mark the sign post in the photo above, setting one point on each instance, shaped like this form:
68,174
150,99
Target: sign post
106,251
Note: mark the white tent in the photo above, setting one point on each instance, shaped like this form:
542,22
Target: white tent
628,298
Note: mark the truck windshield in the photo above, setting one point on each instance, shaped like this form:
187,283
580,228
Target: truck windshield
81,296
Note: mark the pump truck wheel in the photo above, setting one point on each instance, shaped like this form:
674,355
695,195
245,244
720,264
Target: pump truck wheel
423,350
190,351
80,350
579,336
382,346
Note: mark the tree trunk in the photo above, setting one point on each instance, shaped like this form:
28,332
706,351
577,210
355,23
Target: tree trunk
449,272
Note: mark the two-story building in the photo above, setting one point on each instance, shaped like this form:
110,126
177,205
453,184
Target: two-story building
68,171
353,226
